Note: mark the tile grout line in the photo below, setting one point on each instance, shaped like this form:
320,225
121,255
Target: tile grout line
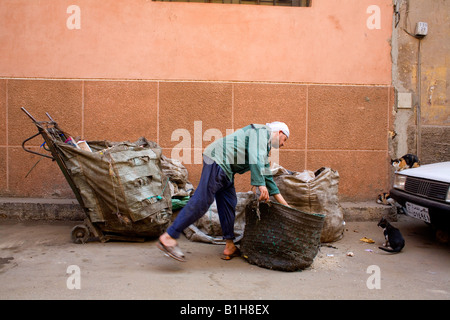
82,108
232,106
388,120
7,135
204,81
306,127
157,113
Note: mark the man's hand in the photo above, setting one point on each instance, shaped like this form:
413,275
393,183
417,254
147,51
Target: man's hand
264,193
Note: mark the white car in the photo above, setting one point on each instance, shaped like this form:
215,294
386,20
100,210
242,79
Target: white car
424,193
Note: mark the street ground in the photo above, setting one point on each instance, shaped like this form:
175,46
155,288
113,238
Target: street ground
38,260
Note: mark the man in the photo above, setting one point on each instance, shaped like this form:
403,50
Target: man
247,149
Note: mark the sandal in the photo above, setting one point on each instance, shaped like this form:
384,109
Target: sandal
172,251
236,253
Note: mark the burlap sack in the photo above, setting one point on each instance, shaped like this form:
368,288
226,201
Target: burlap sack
178,177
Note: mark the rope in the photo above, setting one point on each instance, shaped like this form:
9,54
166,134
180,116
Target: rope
159,196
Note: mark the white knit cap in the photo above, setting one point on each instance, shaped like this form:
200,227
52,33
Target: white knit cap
279,126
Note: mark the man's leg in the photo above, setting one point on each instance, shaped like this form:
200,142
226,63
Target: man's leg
211,180
226,201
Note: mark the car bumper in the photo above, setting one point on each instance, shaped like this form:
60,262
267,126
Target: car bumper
439,212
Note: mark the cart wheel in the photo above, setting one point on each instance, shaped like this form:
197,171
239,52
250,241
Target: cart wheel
443,236
80,234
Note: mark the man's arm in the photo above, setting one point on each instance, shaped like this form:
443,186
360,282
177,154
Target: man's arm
264,196
280,199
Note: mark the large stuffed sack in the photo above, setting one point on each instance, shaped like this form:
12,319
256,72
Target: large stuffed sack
314,192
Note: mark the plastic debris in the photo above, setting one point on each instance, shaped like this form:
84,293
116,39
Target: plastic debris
367,240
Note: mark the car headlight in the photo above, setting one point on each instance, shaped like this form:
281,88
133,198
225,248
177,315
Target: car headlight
399,182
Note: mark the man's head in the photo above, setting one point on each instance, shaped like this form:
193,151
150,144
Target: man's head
279,133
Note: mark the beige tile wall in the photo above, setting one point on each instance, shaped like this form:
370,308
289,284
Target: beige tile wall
343,127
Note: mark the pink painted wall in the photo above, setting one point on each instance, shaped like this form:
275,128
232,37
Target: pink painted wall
329,42
324,70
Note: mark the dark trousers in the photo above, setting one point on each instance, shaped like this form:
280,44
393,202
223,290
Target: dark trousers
214,184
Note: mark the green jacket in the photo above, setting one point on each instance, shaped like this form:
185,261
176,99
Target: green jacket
247,149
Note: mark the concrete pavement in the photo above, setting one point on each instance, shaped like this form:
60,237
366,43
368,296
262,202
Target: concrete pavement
39,261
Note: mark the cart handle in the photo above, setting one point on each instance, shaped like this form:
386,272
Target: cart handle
34,152
34,136
28,114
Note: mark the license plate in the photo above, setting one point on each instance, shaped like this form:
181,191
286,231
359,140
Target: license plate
417,212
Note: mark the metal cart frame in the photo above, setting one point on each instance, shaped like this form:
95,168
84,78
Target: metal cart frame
51,133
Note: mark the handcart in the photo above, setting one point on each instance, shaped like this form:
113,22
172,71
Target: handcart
119,185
